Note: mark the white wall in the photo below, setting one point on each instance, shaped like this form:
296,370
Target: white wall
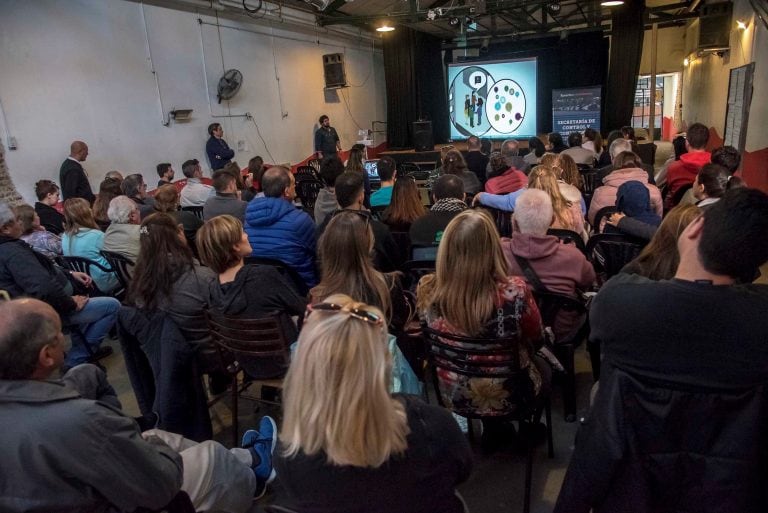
80,69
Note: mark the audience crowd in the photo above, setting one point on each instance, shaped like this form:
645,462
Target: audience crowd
352,275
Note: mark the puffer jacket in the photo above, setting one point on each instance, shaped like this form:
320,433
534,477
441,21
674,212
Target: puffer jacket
278,230
605,196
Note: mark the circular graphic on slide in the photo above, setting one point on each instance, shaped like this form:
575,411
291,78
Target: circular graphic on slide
467,101
505,106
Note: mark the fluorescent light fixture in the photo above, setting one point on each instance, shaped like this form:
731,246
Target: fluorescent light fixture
611,3
741,25
385,27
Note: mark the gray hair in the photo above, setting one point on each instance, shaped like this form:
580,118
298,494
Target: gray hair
533,212
120,209
25,331
6,214
131,185
509,148
618,146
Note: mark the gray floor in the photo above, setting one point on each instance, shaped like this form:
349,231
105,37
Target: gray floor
497,481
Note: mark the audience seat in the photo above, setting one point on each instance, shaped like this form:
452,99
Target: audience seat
307,190
84,265
588,186
287,271
601,216
197,211
610,252
569,237
484,358
502,219
121,265
247,340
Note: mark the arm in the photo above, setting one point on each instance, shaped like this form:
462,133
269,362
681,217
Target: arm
225,151
69,181
504,202
84,187
634,227
318,142
35,280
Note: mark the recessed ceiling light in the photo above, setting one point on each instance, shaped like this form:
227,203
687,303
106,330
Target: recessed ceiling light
611,3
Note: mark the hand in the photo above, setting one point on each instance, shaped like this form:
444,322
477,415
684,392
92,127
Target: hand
614,218
320,154
83,278
248,181
476,199
80,301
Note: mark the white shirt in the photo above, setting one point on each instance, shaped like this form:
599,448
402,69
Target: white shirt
195,193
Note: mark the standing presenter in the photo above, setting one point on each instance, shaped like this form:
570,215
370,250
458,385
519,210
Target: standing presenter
219,152
326,139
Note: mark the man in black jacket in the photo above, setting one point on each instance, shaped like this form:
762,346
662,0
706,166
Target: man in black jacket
74,182
679,421
24,272
219,153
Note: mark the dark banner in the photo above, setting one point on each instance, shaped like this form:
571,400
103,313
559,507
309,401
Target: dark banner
576,109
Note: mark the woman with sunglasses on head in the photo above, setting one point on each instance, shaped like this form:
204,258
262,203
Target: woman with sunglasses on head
346,266
346,444
471,294
247,291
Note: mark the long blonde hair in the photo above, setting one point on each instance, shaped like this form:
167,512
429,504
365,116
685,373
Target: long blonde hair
344,251
336,396
469,266
543,177
566,170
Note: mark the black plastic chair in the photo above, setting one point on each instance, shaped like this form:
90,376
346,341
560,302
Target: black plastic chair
406,168
378,211
678,197
307,191
602,216
567,318
286,270
84,265
315,164
502,219
306,171
610,252
588,186
247,340
585,168
569,237
497,359
121,265
414,270
197,211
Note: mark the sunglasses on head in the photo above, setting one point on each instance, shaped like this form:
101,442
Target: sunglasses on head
362,213
357,313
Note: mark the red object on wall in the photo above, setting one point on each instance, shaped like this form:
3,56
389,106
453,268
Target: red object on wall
666,128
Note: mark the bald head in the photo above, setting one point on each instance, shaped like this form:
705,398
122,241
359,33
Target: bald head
78,150
276,182
31,343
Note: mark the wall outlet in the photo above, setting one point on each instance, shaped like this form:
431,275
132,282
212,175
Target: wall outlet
12,143
241,146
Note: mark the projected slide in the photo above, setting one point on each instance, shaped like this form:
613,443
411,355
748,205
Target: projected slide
492,99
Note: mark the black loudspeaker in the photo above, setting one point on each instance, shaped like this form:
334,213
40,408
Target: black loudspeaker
715,26
422,136
333,67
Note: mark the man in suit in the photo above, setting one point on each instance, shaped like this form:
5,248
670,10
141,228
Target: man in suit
74,182
219,153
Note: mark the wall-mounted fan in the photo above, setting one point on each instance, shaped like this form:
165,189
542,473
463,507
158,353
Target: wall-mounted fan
229,84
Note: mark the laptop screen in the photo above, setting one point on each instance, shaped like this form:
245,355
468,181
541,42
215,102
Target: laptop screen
370,168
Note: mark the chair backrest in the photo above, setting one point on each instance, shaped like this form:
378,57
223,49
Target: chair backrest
567,316
378,211
315,164
601,216
84,265
609,252
502,219
197,211
249,339
585,168
570,237
588,180
403,242
680,193
304,171
307,191
647,153
471,358
405,168
121,265
428,253
414,270
287,271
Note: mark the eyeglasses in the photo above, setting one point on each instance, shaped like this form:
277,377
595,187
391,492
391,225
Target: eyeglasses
357,313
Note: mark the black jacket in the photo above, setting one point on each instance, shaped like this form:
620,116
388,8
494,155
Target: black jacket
50,218
25,272
74,183
654,447
164,372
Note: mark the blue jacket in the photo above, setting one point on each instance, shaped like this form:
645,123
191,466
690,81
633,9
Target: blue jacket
278,230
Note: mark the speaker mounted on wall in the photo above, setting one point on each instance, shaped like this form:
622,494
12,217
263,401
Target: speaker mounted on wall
422,136
333,67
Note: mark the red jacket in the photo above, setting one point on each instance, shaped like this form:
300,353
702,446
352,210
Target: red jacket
684,171
510,181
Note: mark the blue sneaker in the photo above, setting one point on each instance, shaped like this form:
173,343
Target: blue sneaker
262,443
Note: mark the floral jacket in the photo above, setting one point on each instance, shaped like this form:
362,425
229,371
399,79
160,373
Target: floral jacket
516,315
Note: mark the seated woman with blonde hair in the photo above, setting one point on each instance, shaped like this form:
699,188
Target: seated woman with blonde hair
471,294
346,265
568,215
247,291
346,444
82,238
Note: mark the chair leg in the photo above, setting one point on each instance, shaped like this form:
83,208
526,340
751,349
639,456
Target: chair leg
235,426
548,415
566,355
528,478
